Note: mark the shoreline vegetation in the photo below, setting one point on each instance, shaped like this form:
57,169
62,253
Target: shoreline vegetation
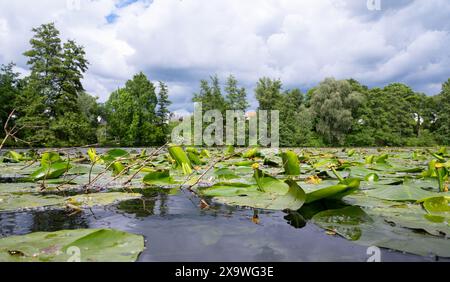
50,107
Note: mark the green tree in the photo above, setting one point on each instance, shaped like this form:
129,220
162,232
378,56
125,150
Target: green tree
442,114
334,105
236,98
211,95
10,87
50,99
131,113
296,121
394,116
163,113
268,92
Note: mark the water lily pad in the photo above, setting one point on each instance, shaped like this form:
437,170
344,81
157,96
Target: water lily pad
85,245
344,222
52,171
400,193
292,200
158,178
13,202
181,158
365,229
336,191
101,199
291,163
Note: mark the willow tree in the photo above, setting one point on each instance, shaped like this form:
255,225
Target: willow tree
131,113
334,105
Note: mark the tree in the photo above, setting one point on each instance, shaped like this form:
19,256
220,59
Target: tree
34,116
394,116
131,113
268,93
10,87
442,114
236,98
296,121
91,112
334,105
50,100
211,95
163,113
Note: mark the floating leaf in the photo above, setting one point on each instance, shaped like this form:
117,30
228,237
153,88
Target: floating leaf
244,163
267,183
291,163
437,205
351,152
85,245
49,158
55,170
181,158
335,191
230,189
14,202
13,156
344,222
400,193
93,155
114,154
225,173
100,199
372,177
292,200
251,153
158,178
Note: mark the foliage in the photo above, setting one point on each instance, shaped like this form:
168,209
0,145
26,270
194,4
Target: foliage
131,113
93,245
334,105
53,108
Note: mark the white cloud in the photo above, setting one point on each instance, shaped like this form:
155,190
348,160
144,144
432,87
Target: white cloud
301,42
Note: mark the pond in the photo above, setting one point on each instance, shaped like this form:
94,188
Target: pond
176,227
176,230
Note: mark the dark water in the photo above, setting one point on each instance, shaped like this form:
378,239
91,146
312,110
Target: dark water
176,229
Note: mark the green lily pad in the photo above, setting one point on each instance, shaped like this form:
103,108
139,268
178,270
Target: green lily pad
84,245
291,163
49,158
181,158
101,199
14,202
55,170
344,222
400,193
229,189
158,178
292,200
336,191
365,229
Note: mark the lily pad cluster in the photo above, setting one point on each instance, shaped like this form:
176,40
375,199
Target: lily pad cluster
392,198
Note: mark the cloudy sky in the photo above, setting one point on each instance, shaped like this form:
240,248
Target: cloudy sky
298,41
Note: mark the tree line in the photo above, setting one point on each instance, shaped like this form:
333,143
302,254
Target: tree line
53,109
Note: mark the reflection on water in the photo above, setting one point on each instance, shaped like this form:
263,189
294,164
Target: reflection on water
176,229
50,220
